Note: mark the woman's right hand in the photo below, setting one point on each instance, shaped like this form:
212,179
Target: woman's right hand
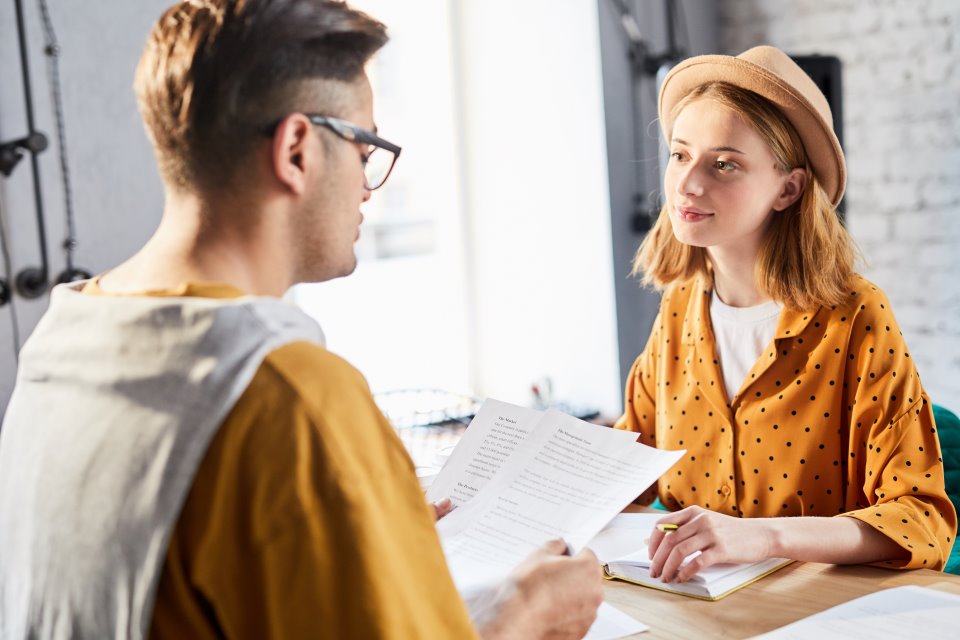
719,539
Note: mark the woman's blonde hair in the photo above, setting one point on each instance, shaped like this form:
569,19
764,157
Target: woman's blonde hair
807,256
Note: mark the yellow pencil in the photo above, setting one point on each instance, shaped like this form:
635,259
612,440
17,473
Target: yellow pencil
666,528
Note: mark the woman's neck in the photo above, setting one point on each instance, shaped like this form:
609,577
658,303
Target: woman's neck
734,277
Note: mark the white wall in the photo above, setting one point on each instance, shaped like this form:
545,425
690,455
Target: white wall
117,193
901,92
536,193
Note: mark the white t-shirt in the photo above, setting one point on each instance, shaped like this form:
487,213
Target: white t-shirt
742,334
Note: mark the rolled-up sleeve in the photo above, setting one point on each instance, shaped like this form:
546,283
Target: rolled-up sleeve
894,446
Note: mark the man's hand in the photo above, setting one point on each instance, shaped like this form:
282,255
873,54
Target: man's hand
718,538
442,507
549,595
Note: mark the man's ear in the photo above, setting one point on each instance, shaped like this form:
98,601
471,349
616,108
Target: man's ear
289,154
793,188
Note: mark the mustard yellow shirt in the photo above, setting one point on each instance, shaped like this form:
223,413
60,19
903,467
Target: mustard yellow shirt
831,420
305,518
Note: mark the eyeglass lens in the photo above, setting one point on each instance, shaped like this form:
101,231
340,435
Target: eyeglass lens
377,168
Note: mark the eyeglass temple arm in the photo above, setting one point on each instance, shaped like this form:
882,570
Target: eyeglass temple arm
370,138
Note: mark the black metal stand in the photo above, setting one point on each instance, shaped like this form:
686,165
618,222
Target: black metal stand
32,281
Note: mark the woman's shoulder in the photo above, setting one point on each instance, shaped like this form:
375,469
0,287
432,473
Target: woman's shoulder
867,313
679,295
863,292
866,300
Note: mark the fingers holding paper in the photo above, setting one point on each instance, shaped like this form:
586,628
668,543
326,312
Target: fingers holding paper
441,508
704,538
550,595
568,589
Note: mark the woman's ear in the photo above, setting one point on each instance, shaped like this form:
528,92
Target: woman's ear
289,152
793,186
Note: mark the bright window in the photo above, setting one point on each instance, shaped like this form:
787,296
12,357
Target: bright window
485,262
400,318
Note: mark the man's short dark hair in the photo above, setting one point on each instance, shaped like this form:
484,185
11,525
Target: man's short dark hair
214,71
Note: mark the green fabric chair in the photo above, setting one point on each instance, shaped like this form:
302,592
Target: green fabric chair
948,428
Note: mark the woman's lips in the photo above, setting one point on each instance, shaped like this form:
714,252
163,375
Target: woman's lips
692,214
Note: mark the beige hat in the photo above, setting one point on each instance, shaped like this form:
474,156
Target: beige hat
771,73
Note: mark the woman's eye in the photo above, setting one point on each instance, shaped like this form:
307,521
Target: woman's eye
723,165
675,155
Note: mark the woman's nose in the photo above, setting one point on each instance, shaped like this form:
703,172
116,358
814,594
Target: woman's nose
690,182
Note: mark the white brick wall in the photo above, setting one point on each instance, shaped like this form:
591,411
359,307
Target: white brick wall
901,100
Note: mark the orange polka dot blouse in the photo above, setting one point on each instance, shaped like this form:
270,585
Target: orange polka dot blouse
831,420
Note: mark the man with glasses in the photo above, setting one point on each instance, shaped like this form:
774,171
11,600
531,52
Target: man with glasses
181,457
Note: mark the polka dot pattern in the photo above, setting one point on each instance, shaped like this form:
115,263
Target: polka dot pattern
832,420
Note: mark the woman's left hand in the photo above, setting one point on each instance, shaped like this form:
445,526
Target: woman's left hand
718,538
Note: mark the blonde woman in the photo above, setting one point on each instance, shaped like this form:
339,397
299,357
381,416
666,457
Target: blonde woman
781,372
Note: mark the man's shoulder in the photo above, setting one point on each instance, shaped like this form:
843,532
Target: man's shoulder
306,425
305,360
308,375
303,404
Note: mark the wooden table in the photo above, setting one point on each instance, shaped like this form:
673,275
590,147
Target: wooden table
794,592
786,596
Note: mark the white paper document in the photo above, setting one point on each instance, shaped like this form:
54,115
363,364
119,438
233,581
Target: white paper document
625,535
902,612
565,479
611,623
494,434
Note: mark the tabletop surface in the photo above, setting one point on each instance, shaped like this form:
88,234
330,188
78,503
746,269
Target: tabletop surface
794,592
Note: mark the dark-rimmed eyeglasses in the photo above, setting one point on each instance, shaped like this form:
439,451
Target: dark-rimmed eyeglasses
376,166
